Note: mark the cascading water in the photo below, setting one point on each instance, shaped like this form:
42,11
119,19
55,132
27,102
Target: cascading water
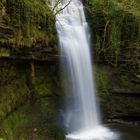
82,119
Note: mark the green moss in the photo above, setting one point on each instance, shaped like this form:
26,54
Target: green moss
125,81
110,6
21,119
102,82
43,89
14,126
115,25
13,90
32,121
32,21
4,52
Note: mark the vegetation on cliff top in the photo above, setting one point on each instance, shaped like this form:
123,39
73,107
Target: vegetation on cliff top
31,23
116,28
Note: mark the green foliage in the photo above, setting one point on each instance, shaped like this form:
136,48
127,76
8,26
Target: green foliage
102,81
124,80
33,23
4,52
13,89
116,28
36,121
115,38
109,7
13,127
21,119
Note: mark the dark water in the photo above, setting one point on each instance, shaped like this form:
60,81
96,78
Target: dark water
125,131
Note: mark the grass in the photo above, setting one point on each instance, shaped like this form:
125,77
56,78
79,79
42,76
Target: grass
35,122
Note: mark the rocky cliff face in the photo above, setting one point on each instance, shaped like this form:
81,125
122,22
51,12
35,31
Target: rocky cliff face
28,70
30,95
26,28
116,35
6,32
116,32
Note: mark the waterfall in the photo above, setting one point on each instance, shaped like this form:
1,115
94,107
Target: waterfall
82,119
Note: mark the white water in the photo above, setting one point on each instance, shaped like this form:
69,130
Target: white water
82,119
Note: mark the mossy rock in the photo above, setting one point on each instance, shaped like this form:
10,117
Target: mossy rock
32,22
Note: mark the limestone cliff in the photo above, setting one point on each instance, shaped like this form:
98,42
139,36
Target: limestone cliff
26,27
